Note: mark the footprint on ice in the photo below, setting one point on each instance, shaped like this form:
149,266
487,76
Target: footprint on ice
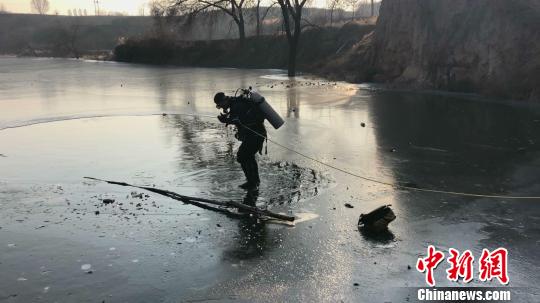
22,279
11,245
190,240
112,249
86,266
135,261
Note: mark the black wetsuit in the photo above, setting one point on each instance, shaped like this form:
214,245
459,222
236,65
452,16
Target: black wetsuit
249,120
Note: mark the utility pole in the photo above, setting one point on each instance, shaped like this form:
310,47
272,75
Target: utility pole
372,9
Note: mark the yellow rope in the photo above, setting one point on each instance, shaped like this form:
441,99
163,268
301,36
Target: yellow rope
392,184
312,159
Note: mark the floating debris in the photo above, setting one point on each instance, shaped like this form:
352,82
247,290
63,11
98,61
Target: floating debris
378,219
107,201
348,205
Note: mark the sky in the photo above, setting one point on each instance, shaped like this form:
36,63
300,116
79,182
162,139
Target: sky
125,6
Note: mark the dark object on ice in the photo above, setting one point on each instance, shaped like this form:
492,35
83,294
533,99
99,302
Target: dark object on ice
203,203
107,201
378,219
363,124
96,212
348,205
2,155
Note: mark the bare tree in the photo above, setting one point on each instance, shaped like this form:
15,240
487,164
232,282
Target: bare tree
292,18
40,6
353,5
233,8
158,10
70,13
260,18
332,5
3,9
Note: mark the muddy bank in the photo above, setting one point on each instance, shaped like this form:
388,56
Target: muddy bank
316,47
486,47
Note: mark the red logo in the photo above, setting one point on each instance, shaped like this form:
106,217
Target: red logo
429,263
460,265
491,265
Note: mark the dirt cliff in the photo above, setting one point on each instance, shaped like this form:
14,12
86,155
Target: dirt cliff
490,47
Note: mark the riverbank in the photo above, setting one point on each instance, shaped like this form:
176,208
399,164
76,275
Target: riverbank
489,48
486,47
317,46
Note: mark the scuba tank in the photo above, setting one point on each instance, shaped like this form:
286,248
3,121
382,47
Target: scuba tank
269,113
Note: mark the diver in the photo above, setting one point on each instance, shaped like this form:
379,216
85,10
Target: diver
248,118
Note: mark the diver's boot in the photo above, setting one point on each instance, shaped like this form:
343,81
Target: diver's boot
250,200
245,185
249,186
252,187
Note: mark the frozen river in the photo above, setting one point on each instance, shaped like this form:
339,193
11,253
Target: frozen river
61,120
